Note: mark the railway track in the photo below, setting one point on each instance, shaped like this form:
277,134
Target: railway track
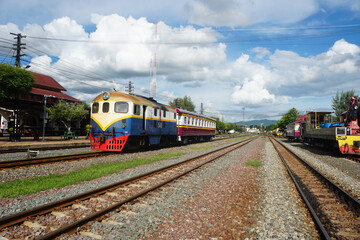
42,148
55,219
53,159
337,152
353,158
335,212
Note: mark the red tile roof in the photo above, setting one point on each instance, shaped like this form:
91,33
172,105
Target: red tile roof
46,82
42,92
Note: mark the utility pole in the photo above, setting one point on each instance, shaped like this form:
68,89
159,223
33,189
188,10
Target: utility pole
202,109
129,88
18,47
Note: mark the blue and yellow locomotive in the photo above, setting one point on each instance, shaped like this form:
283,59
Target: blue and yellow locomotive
119,118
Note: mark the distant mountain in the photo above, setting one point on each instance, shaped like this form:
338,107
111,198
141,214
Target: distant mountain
265,122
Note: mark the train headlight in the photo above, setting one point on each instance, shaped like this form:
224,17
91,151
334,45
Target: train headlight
106,96
123,126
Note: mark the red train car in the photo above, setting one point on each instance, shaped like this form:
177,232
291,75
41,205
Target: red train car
193,127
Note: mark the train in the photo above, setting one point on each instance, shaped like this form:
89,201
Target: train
277,132
315,128
121,121
293,130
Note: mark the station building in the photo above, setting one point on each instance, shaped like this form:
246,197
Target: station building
31,108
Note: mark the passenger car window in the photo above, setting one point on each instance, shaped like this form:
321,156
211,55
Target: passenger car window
164,113
121,107
105,107
137,109
95,108
155,112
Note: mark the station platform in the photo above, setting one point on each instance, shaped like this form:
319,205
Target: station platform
49,142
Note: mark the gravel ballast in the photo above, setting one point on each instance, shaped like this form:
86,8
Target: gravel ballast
342,171
43,153
10,206
227,199
282,214
215,202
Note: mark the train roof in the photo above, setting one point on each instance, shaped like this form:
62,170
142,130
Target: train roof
121,96
319,112
182,111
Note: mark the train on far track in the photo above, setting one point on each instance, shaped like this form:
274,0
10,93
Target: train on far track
121,120
315,128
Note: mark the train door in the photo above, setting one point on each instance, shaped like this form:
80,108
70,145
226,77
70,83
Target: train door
160,121
144,118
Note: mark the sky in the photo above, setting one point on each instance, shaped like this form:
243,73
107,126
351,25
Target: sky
256,57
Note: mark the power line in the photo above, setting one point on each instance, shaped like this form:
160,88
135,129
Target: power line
7,55
323,31
71,66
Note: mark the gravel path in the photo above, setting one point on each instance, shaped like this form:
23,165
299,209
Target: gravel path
13,205
282,214
342,171
65,167
225,200
44,153
215,202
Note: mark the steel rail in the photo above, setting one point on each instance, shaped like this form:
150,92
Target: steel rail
338,188
53,159
353,158
324,234
71,227
354,202
43,148
22,216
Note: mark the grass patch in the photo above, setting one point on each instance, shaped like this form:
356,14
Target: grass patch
253,163
241,138
33,185
203,147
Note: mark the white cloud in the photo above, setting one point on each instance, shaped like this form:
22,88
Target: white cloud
190,61
247,12
120,49
252,93
287,75
214,13
353,5
261,52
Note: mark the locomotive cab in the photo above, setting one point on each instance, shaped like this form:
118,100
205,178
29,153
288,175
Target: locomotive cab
110,124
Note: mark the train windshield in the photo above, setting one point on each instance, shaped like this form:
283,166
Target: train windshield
95,108
121,107
105,107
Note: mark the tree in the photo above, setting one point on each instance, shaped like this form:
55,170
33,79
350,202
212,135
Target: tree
183,103
220,126
287,118
14,82
271,127
340,102
67,113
